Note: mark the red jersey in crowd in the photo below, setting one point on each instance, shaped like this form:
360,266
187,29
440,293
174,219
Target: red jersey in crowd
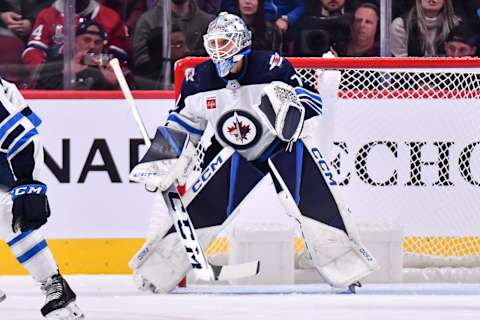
47,33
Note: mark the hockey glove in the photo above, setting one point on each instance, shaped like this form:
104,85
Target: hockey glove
169,158
281,111
30,205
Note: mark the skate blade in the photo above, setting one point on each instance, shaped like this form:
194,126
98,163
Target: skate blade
3,296
70,312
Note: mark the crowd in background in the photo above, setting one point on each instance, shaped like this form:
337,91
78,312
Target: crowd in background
32,34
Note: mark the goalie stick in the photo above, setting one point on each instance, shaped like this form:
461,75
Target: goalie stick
180,218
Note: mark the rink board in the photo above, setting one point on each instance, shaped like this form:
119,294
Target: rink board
100,216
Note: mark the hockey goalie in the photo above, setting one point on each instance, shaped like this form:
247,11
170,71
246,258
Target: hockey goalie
251,112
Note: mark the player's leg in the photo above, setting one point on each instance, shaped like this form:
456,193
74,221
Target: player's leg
305,188
31,250
210,201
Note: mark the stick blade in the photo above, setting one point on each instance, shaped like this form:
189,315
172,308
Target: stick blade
236,271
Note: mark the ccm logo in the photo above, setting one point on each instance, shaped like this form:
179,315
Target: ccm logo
143,254
365,254
28,189
207,173
323,166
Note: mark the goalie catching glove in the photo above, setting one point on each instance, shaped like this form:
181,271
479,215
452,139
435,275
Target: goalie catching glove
30,205
281,111
168,158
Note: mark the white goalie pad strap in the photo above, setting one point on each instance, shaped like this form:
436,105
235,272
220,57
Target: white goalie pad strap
339,259
281,111
173,161
167,263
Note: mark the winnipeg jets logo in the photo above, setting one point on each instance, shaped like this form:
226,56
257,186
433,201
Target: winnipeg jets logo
239,129
275,61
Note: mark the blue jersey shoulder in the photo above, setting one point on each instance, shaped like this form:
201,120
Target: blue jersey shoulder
259,67
201,78
265,67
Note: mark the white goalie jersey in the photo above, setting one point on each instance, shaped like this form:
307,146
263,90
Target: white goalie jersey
229,105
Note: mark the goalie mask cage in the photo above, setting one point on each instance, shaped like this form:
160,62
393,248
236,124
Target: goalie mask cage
403,137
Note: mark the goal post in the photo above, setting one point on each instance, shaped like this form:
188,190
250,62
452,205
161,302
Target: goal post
403,138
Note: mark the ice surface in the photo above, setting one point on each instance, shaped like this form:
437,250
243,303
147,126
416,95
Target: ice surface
115,297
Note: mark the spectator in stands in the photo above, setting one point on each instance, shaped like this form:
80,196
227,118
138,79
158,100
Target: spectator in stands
461,42
401,7
17,16
331,7
265,35
11,66
185,13
151,75
469,10
47,35
16,20
212,7
283,13
178,44
151,4
363,40
325,26
128,10
424,29
90,62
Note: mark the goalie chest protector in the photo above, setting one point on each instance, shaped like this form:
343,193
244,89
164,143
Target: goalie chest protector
227,105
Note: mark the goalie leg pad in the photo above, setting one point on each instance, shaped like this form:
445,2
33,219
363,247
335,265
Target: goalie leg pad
167,264
339,259
210,207
160,223
329,234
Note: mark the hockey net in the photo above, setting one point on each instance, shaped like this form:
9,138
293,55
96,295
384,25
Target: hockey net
403,137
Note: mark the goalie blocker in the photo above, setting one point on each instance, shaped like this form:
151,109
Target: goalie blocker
303,184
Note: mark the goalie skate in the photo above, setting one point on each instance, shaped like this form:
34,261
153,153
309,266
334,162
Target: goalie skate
3,296
60,300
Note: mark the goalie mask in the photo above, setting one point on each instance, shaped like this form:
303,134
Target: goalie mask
227,41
